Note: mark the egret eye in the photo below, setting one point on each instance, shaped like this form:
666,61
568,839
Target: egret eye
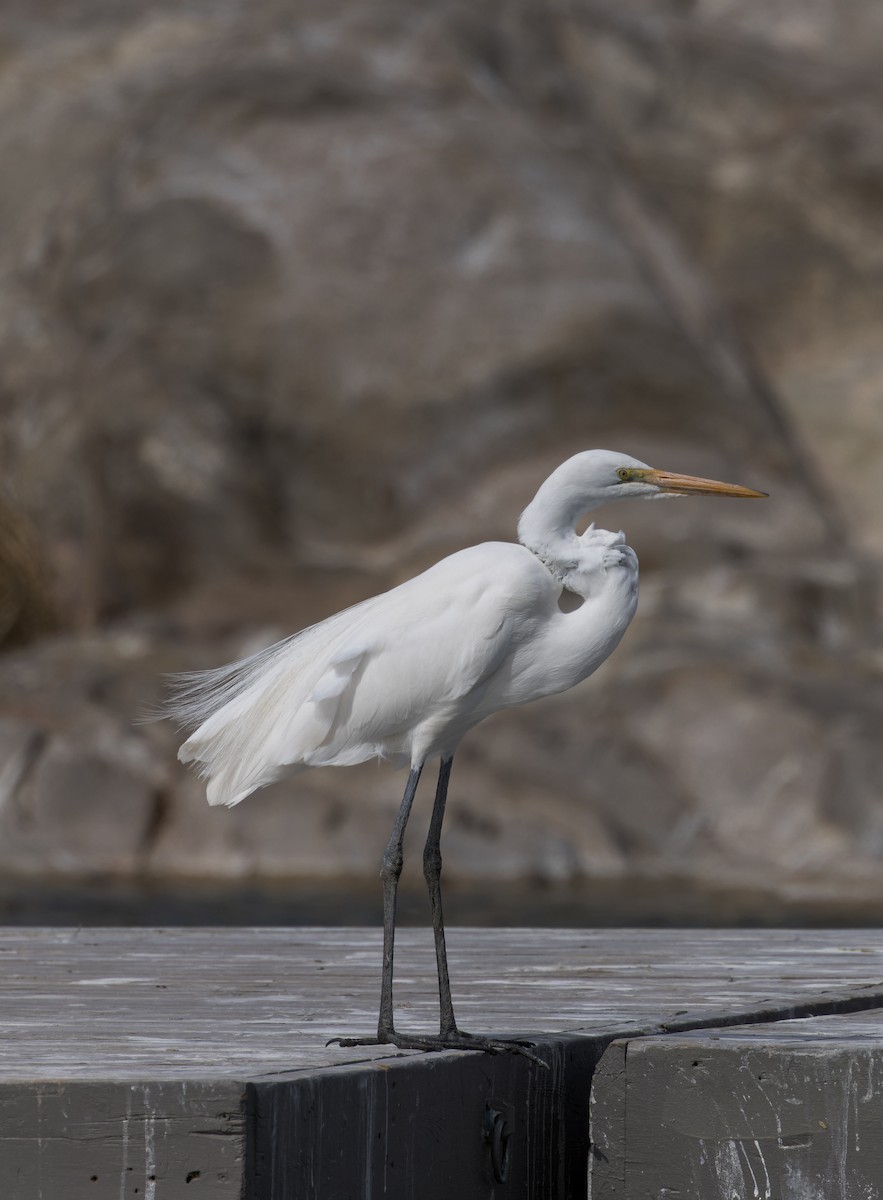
624,474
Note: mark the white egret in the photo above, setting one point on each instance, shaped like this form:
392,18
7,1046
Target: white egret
403,676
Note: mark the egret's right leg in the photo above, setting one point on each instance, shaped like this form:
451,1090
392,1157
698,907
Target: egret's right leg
390,870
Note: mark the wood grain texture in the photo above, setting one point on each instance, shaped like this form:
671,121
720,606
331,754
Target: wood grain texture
139,1140
122,1004
790,1110
147,1058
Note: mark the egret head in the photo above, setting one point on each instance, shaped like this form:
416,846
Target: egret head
597,477
629,477
606,475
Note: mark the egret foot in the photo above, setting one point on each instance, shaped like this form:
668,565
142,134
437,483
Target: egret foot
453,1040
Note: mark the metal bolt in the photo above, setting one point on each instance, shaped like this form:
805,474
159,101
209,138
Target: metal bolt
497,1132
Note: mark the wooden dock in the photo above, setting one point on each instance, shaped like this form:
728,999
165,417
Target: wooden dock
182,1063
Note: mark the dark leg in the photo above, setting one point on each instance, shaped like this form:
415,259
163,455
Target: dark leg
432,865
390,870
449,1037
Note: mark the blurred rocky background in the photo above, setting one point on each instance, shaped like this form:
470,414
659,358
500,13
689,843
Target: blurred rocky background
298,298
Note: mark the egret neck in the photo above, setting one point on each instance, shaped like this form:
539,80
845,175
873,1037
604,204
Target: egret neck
547,527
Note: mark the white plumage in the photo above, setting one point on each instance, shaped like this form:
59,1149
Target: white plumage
403,676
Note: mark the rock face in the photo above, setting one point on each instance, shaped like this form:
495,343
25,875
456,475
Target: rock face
294,304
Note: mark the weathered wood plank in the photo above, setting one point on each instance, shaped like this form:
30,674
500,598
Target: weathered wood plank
607,1113
141,1140
789,1110
239,1003
216,1039
417,1128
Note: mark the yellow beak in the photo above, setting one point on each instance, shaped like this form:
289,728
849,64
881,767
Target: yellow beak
683,485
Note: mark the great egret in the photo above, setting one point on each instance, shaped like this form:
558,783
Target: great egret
403,676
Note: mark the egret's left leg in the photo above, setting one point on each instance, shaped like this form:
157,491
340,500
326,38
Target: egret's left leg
432,865
450,1036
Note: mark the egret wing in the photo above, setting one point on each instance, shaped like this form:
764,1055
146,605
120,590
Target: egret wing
419,676
366,683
